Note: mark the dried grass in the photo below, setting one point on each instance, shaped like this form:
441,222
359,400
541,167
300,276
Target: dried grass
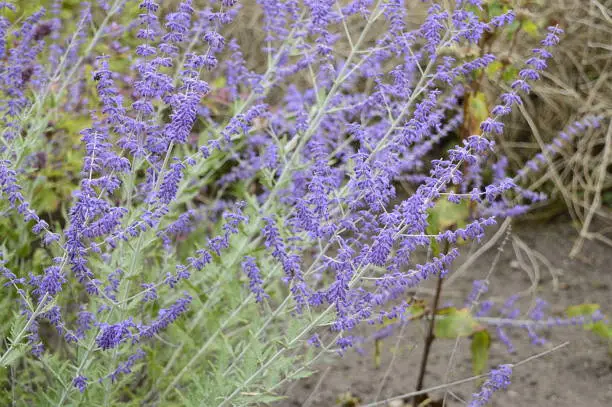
579,82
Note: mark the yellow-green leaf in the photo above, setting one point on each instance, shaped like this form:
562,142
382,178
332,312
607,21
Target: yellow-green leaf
219,83
476,111
530,28
493,68
581,310
478,106
509,74
601,329
481,343
454,323
446,214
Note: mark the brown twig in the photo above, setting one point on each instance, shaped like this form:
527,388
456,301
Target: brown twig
429,338
428,341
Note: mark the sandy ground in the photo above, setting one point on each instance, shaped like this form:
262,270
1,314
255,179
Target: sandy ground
579,374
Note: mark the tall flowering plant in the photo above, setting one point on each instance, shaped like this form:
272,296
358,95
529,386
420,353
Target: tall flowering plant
230,224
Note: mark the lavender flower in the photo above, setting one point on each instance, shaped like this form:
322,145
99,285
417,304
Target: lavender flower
479,287
255,281
199,169
499,379
112,335
166,317
80,382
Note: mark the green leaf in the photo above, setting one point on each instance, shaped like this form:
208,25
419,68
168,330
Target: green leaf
417,309
600,329
14,353
477,111
493,68
481,343
453,323
530,28
46,200
446,214
220,82
510,74
478,106
581,310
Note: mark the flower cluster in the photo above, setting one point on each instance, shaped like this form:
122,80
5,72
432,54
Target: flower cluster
213,191
536,320
499,379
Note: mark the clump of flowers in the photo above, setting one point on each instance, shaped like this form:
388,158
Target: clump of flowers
499,379
225,215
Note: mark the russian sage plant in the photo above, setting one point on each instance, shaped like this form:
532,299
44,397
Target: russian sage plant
180,226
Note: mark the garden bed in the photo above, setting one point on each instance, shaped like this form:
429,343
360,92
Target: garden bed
576,375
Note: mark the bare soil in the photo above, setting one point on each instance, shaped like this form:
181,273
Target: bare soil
580,374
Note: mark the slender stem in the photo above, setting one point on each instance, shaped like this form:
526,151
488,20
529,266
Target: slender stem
430,333
428,342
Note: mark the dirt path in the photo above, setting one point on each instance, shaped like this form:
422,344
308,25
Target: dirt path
578,375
